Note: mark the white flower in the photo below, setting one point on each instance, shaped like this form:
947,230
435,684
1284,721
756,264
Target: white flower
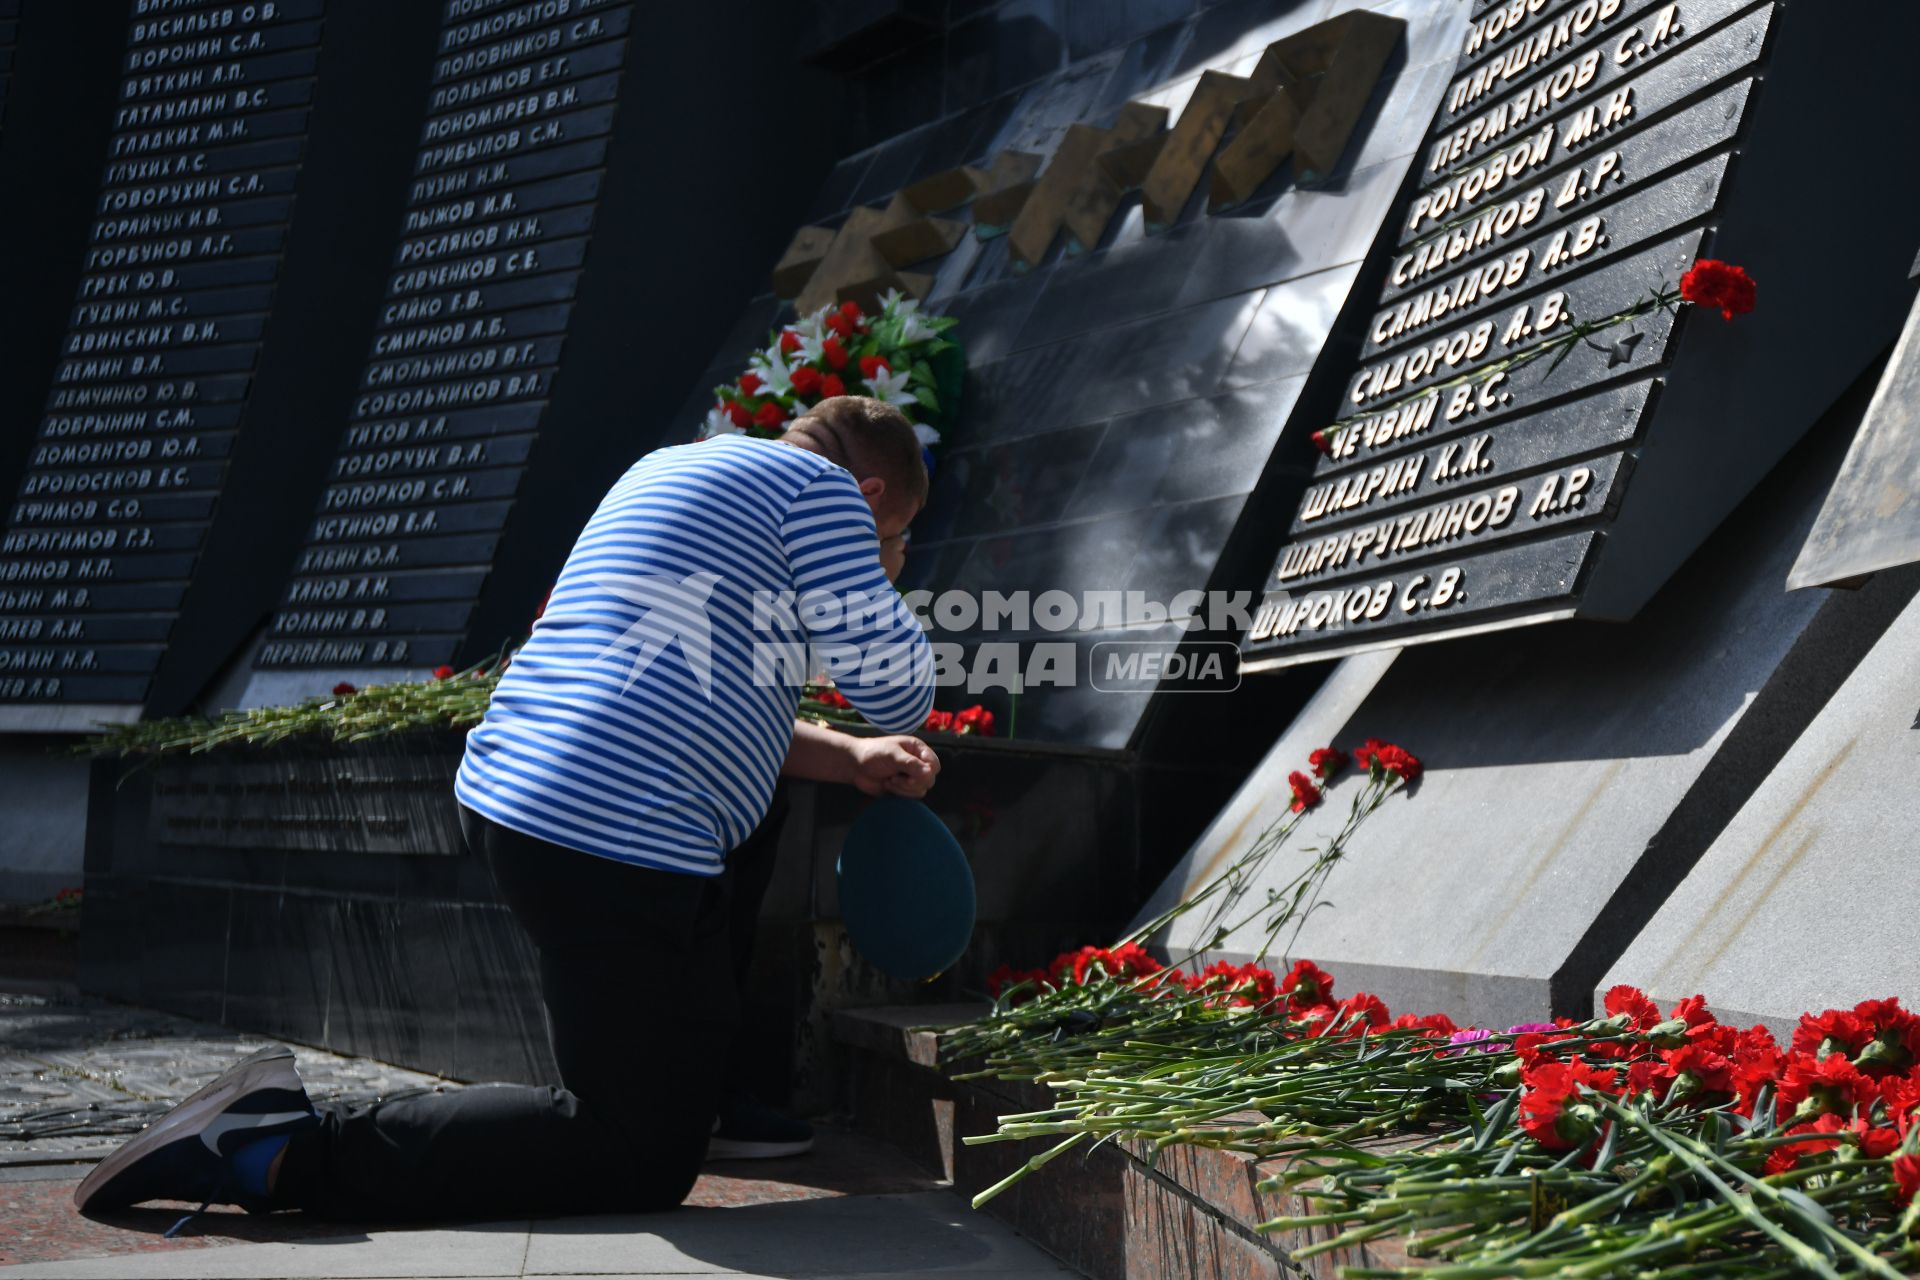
813,334
906,311
717,424
812,349
890,388
926,435
773,371
815,325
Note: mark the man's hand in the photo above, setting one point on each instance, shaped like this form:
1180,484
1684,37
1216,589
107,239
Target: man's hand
895,765
898,765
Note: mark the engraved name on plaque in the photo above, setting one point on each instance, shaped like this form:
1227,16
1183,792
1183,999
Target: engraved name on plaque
469,339
152,384
1491,430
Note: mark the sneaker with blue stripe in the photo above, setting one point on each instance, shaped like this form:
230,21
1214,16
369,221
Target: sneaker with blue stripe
187,1153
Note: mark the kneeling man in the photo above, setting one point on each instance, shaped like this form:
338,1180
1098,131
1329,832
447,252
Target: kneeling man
632,743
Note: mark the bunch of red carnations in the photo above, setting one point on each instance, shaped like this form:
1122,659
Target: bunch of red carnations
1850,1077
824,702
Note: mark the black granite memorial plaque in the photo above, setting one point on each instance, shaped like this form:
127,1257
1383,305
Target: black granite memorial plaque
196,194
9,37
205,318
507,179
1527,436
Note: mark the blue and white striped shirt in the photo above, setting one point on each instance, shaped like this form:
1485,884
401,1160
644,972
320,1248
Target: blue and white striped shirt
649,713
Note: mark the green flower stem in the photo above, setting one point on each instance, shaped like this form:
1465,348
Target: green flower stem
1657,300
1708,1167
1018,1174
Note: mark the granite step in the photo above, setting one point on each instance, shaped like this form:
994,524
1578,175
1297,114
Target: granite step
1119,1213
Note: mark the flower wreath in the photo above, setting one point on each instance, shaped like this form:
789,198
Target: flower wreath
898,355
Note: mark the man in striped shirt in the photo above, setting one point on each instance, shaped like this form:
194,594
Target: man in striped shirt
633,742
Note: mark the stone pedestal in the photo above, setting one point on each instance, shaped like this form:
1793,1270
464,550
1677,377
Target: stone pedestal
1576,772
1808,899
322,894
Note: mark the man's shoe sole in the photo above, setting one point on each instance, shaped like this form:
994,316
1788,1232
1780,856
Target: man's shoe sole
743,1149
192,1117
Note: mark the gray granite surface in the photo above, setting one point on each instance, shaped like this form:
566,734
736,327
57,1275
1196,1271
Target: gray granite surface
1575,774
78,1076
1809,899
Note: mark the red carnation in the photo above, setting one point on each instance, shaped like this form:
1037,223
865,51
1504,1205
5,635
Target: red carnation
1244,986
343,689
872,365
975,719
789,342
1650,1075
1643,1014
1906,1178
1363,1010
1895,1042
1430,1024
938,722
806,380
1535,1046
770,414
1089,962
1781,1159
442,672
1306,985
1828,1086
840,325
1901,1094
850,310
1008,976
1326,761
1321,442
1305,794
1757,1062
1551,1111
831,386
738,412
835,352
1875,1143
1699,1070
1719,286
1131,960
1400,761
750,383
1833,1031
832,698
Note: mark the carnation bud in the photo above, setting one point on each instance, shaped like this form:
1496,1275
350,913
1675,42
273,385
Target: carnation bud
1578,1122
1616,1025
1507,1074
1670,1034
1881,1052
1684,1086
1820,1101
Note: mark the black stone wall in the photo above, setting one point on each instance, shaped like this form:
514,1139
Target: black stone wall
1121,424
323,895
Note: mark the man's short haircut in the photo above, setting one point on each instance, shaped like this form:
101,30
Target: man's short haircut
869,438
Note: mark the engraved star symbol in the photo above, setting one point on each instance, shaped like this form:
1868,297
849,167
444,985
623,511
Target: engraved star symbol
1621,352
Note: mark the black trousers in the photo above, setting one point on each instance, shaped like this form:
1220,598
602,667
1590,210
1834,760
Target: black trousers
640,972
